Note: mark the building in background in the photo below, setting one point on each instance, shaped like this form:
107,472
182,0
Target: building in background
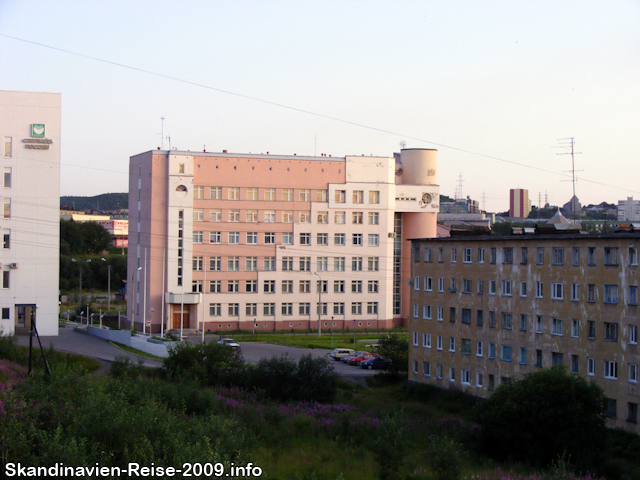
29,258
460,205
266,242
488,310
519,203
119,231
629,210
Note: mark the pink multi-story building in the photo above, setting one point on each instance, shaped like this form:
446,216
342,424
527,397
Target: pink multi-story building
267,242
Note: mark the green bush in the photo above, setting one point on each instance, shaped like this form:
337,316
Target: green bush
539,418
445,458
208,363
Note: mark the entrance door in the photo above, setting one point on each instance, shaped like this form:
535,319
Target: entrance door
23,315
175,323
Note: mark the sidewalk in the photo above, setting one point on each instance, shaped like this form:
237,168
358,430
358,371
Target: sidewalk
71,341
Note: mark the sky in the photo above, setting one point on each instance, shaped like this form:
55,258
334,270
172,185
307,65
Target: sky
491,84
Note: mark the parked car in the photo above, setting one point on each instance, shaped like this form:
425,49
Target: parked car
229,342
378,363
357,360
338,353
358,353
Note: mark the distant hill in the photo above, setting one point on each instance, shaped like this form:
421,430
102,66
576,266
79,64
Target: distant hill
106,201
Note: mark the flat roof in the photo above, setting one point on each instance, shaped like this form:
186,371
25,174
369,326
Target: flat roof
504,238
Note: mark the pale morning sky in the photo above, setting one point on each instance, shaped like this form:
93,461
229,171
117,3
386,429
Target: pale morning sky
491,84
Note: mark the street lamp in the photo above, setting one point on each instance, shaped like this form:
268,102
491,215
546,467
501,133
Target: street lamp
319,302
108,284
80,283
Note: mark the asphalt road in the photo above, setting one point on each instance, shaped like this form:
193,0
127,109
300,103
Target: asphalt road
70,341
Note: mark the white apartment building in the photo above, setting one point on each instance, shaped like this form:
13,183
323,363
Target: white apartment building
29,257
629,210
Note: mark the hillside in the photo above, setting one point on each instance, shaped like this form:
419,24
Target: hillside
106,201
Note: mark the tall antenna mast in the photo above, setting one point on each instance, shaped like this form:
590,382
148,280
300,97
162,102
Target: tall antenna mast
569,143
161,133
484,202
459,187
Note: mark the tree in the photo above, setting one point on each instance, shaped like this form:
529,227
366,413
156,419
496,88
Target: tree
83,238
547,414
395,349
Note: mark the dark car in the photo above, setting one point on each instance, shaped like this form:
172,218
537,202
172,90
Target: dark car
377,363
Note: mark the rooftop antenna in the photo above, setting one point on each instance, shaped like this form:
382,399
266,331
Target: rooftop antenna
169,140
162,133
458,194
402,144
569,143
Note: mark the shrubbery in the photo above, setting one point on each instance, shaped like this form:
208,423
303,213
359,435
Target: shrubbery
542,417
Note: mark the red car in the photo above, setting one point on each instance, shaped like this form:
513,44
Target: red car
358,360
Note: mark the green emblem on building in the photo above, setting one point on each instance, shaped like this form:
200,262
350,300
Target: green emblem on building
37,130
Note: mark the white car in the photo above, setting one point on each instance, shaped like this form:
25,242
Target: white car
229,342
338,353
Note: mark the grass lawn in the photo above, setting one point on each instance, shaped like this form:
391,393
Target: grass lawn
311,340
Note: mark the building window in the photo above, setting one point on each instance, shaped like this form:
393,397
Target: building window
507,255
373,287
575,363
492,319
428,284
492,287
305,286
215,264
322,264
466,316
633,256
557,291
7,146
287,194
632,412
198,192
305,217
339,264
591,256
233,193
480,287
523,289
467,255
322,239
610,332
338,308
339,239
374,218
452,374
215,193
215,215
214,309
356,218
452,314
305,239
633,295
269,264
438,371
234,309
507,320
358,196
304,195
269,309
440,255
233,286
428,255
611,294
356,264
372,308
466,285
197,237
321,196
439,342
454,255
633,334
234,216
480,255
523,322
356,286
591,293
269,286
357,239
591,366
610,370
575,292
251,309
197,264
374,239
479,318
633,373
591,329
198,215
426,312
287,238
426,369
465,346
493,255
374,196
304,308
452,344
340,196
539,324
575,328
441,284
506,288
557,256
215,237
356,308
269,216
287,286
557,326
323,217
524,255
611,256
540,256
539,358
575,256
252,193
5,279
251,286
287,216
373,264
287,264
234,238
439,314
492,351
305,264
479,349
556,359
539,289
523,356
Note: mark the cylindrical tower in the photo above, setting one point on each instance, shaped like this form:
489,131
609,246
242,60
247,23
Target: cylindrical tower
419,167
